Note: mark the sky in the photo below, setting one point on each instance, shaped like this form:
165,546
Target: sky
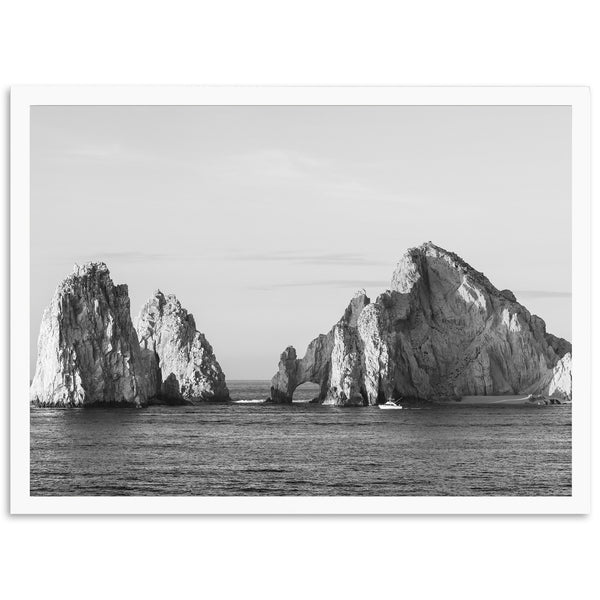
264,220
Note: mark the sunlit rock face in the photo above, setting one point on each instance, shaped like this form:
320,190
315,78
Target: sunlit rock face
442,331
561,383
88,350
188,366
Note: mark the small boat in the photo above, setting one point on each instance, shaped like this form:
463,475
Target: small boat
389,404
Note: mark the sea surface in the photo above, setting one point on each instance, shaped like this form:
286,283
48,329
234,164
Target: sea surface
249,448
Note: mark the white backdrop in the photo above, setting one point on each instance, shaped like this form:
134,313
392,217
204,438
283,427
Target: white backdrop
322,42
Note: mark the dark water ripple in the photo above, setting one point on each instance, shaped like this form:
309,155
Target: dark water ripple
302,449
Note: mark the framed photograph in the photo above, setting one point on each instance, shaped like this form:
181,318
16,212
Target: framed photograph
300,300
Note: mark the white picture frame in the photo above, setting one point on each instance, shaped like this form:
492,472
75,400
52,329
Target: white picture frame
24,97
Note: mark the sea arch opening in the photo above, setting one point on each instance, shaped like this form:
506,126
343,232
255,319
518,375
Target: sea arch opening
306,392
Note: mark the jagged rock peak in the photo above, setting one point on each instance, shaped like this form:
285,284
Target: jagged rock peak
414,263
169,304
88,351
86,275
92,268
188,367
356,306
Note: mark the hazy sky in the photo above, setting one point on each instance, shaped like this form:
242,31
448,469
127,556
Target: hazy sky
265,220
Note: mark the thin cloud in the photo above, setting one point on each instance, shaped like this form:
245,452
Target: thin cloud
274,167
541,294
275,163
385,284
337,283
136,256
328,258
124,256
114,151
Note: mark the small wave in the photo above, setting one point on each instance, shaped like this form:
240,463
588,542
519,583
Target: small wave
265,470
252,401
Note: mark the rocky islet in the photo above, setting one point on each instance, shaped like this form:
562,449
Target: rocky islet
188,366
440,332
89,352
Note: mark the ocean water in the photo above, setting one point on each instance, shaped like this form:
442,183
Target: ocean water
247,448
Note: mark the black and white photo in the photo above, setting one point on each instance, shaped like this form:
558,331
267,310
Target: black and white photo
305,298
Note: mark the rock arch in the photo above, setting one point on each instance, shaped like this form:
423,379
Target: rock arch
294,371
331,361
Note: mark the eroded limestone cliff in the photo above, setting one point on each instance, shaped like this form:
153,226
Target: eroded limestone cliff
188,366
88,350
442,331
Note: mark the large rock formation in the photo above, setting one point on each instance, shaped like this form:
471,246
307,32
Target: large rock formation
188,366
88,350
441,332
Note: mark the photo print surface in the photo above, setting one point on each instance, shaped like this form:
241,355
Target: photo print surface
300,301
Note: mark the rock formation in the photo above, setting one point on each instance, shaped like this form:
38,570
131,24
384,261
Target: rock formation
561,384
442,331
88,350
188,366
